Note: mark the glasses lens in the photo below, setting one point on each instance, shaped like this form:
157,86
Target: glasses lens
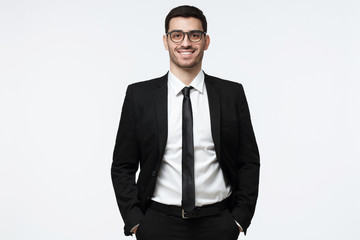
195,36
177,36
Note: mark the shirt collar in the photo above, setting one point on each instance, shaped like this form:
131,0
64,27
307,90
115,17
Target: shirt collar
177,85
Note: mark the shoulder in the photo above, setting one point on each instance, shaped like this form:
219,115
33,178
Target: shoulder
146,90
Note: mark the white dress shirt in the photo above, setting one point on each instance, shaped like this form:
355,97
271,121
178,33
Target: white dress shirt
210,184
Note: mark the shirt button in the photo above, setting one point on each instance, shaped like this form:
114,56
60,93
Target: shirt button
154,173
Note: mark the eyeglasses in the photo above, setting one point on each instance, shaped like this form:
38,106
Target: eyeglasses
178,36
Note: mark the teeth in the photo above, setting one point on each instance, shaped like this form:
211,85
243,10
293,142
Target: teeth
187,53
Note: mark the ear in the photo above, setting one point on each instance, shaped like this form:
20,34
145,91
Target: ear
165,42
207,42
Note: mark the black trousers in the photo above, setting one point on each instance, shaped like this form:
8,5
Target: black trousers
159,226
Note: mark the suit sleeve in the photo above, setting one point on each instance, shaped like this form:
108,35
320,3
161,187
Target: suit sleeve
248,166
125,164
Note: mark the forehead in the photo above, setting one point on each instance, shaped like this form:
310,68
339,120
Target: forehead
185,24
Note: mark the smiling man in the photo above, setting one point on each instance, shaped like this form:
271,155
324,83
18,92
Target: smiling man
191,133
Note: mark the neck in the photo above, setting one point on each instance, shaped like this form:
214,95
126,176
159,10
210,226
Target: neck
186,75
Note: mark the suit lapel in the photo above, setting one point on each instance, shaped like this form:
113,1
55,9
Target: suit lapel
161,112
215,111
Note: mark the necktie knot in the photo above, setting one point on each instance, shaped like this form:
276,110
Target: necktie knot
186,91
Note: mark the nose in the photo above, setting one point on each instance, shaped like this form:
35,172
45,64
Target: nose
186,42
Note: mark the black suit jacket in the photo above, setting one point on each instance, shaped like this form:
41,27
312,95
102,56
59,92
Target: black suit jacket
142,135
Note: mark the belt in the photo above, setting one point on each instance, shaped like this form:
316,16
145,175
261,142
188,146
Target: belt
198,212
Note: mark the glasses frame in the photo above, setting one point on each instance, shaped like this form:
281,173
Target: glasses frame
188,35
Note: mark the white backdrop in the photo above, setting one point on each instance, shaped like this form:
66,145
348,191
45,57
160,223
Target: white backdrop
64,68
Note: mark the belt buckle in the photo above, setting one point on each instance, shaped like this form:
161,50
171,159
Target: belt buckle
183,213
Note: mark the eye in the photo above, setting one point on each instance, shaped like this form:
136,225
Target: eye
195,35
176,35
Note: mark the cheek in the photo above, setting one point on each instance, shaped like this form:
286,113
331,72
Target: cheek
174,49
200,48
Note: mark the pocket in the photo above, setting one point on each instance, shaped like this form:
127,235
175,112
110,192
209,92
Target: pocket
233,222
141,225
138,232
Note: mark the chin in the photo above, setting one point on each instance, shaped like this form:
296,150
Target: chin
187,66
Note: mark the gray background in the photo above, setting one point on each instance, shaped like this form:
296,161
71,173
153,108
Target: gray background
64,68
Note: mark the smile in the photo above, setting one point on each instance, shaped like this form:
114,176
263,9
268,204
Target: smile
186,52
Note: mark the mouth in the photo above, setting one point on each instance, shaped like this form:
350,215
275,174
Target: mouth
186,52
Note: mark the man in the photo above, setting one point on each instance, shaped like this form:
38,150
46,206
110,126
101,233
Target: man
192,136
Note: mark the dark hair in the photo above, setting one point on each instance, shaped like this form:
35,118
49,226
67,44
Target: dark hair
186,12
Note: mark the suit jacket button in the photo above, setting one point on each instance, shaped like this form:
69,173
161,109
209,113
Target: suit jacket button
154,173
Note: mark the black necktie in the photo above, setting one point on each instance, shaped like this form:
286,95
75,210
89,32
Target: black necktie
188,185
